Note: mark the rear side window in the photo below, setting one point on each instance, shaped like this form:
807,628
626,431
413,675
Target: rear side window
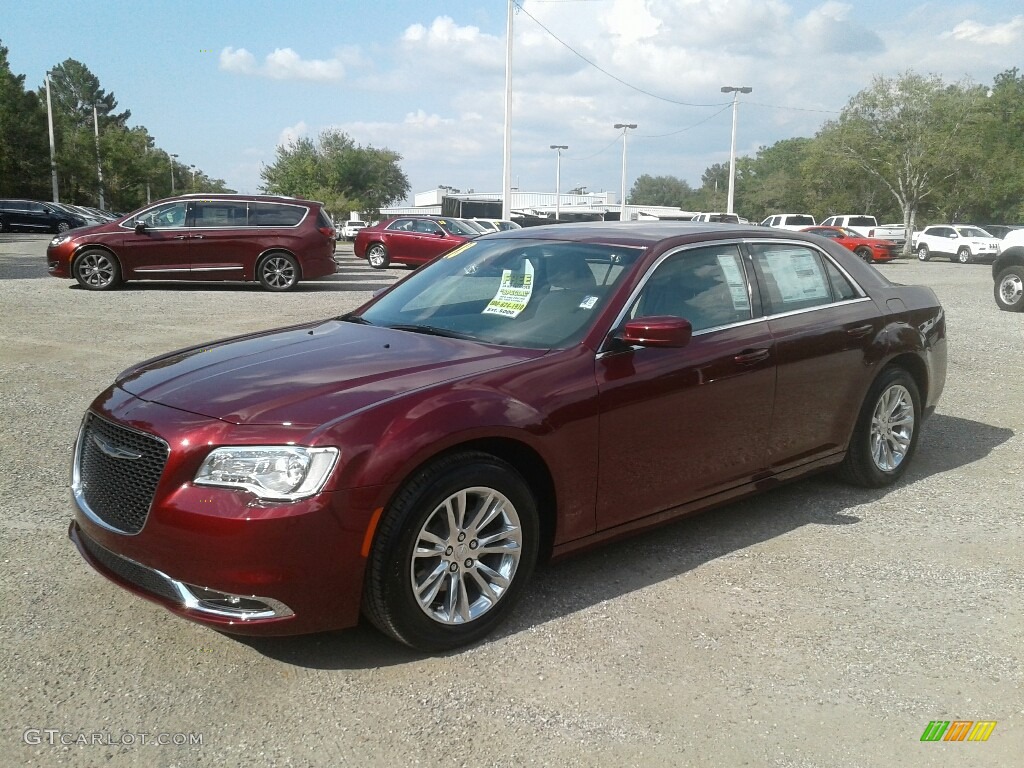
793,277
862,221
804,221
276,215
220,213
842,289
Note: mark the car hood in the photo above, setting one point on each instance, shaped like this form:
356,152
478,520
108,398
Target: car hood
309,374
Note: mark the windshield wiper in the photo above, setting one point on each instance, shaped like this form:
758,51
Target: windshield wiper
432,330
350,318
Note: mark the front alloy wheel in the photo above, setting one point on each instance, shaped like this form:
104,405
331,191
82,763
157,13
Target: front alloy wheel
922,252
452,553
96,270
865,254
964,255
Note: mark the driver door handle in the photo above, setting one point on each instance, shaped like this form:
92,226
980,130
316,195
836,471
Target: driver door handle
749,356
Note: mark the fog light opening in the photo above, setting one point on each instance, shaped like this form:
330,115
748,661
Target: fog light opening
240,607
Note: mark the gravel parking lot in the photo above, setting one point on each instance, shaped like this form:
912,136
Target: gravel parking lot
818,625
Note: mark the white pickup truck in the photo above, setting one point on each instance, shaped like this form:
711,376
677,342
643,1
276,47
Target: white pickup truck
867,226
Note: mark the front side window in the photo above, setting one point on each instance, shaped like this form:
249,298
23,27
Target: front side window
706,286
521,293
792,277
164,216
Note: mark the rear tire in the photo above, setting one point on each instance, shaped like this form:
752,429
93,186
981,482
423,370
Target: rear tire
377,255
278,272
453,552
922,253
885,436
1009,289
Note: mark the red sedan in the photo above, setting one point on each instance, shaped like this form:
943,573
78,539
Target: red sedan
410,240
870,249
528,395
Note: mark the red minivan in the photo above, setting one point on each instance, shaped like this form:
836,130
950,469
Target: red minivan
275,241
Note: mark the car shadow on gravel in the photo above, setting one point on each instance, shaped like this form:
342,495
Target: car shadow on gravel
620,568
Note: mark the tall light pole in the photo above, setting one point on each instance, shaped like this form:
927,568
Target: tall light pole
506,168
53,154
193,177
625,127
735,91
558,178
173,158
99,166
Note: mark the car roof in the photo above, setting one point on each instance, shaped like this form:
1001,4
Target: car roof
643,233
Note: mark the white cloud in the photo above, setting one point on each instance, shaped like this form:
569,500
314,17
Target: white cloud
291,133
996,34
282,64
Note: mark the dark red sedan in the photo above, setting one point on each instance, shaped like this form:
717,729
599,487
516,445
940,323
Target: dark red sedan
525,396
410,240
870,249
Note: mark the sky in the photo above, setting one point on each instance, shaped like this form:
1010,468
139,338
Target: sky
224,84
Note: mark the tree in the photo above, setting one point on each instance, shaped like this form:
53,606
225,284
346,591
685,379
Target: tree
908,133
24,154
337,171
659,190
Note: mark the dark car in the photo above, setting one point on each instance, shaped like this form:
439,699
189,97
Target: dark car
526,396
1001,230
275,241
411,240
37,216
873,250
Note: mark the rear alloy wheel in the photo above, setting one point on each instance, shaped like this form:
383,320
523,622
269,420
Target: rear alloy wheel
278,272
96,270
377,255
964,255
922,253
453,552
1009,289
885,436
62,226
865,253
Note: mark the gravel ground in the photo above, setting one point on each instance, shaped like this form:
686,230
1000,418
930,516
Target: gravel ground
818,625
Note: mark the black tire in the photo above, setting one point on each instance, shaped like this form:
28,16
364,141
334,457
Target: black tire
419,559
865,253
278,272
922,252
62,227
377,256
2,225
96,270
964,255
880,448
1009,289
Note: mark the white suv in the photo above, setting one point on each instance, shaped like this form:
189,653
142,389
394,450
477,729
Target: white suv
793,221
351,228
960,243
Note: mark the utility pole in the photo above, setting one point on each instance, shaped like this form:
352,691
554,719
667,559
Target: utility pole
53,151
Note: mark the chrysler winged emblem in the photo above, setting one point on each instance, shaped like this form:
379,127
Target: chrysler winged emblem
114,451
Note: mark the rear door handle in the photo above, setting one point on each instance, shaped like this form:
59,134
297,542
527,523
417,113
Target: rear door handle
748,356
181,237
860,330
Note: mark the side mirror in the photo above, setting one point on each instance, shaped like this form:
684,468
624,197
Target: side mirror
954,236
660,331
140,226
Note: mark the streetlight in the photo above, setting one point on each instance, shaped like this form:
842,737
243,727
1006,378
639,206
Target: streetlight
99,167
735,91
173,158
625,127
193,177
558,178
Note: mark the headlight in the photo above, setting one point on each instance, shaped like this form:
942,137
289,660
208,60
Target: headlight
282,472
59,239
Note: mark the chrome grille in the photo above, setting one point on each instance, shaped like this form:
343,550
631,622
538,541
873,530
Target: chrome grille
117,473
127,570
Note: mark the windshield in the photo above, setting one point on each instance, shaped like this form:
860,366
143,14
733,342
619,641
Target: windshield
456,227
525,293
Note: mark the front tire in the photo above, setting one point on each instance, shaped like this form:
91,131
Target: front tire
885,435
1009,289
865,254
453,552
377,255
922,253
96,270
278,272
964,256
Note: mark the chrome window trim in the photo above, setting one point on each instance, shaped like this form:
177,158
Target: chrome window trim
78,492
129,225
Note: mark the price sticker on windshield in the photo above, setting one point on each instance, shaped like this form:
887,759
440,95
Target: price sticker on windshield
513,293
